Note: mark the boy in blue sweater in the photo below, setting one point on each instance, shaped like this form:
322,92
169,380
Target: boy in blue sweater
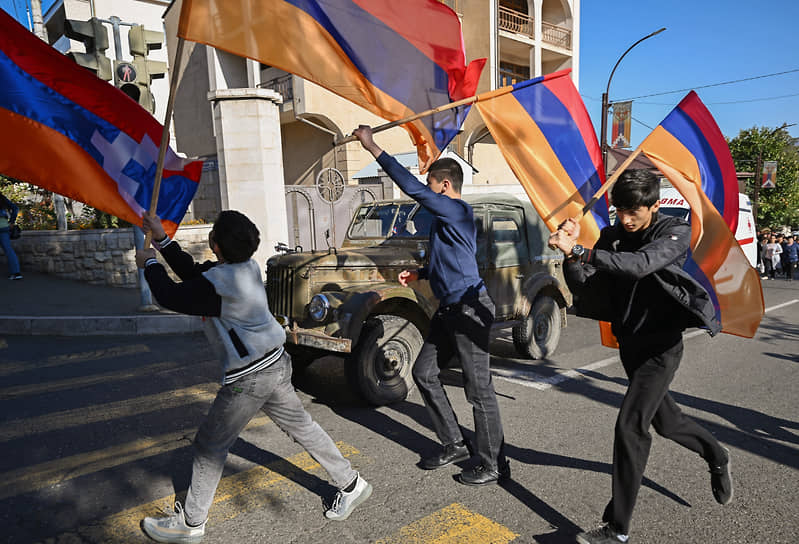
462,324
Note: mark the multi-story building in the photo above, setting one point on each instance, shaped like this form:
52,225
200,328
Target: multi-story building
521,39
224,108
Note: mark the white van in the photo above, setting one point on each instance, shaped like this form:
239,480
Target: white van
673,203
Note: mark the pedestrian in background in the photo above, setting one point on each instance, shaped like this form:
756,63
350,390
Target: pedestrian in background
248,340
771,257
8,218
634,278
462,323
791,253
761,245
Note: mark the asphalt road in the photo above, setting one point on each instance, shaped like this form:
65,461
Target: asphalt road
96,434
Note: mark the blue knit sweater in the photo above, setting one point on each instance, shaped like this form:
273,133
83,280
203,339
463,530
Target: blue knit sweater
452,269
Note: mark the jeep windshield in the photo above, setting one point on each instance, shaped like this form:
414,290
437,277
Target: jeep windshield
390,220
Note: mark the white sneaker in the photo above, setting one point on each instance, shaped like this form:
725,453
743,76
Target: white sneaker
173,528
345,503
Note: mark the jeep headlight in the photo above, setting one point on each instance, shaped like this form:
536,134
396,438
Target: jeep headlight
319,307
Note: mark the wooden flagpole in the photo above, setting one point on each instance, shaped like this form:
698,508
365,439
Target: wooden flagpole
159,168
464,102
609,183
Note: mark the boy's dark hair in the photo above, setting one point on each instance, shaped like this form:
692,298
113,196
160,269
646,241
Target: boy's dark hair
449,169
634,188
236,236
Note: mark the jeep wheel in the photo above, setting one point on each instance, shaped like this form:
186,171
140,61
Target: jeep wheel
380,365
538,334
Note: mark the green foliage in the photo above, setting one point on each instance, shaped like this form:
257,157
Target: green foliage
778,206
37,212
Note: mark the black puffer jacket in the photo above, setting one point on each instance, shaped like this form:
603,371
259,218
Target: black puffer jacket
636,281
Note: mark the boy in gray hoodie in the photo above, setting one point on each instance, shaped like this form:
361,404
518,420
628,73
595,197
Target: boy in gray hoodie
256,369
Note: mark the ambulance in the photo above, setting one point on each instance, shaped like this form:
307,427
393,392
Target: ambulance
673,203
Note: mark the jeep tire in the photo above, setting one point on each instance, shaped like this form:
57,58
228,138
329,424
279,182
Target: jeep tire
538,334
380,366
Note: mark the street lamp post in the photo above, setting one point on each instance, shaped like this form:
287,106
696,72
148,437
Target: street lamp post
756,194
606,105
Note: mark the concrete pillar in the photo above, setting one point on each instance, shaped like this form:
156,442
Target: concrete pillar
247,127
537,60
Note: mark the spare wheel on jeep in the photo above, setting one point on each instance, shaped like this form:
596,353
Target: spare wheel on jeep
379,367
538,334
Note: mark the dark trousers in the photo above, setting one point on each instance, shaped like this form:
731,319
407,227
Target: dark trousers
650,362
462,330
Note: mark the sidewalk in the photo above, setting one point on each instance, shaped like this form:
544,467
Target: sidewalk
47,305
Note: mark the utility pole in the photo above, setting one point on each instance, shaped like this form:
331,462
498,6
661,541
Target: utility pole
756,194
41,31
606,103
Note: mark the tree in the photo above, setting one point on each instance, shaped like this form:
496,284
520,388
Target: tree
778,206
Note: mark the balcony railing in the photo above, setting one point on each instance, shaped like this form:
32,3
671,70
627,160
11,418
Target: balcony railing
521,23
515,21
282,85
556,35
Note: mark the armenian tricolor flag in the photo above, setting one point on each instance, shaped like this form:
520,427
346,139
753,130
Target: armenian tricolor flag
546,136
69,132
393,58
689,149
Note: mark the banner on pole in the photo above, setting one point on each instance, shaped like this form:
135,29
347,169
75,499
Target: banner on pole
769,180
622,115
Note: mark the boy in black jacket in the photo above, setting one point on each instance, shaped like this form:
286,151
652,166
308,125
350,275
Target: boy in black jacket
633,278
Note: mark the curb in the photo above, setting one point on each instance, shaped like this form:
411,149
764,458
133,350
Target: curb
99,325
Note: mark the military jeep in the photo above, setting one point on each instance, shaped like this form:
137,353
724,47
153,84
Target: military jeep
349,301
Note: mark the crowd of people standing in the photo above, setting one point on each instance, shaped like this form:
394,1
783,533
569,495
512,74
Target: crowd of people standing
778,255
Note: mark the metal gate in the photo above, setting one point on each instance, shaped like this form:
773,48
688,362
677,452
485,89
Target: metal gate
308,215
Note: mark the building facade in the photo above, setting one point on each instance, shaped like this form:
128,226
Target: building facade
263,131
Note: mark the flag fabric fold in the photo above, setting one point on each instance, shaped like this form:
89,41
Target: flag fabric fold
688,148
392,58
69,132
548,140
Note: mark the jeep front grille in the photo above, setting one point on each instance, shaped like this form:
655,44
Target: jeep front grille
280,289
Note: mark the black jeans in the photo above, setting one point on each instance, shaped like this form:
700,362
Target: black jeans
650,362
462,330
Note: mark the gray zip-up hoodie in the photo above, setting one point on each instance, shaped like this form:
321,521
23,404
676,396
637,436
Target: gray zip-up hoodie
245,330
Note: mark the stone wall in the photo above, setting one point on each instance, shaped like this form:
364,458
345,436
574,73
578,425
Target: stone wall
101,257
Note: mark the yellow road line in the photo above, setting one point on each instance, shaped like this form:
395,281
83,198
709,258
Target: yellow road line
7,368
17,482
453,524
239,493
106,412
83,381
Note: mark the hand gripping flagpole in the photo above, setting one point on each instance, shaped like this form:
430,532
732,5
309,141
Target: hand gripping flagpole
159,168
609,183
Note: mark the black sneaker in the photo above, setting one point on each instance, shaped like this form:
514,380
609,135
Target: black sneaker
452,453
602,535
721,481
481,475
16,276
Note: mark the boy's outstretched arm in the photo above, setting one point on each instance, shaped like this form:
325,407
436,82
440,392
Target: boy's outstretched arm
178,260
195,296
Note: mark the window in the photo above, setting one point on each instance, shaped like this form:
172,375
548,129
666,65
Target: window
404,227
505,230
373,221
510,74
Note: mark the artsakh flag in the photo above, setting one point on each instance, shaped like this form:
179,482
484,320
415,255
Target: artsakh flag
689,149
546,136
67,131
394,58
